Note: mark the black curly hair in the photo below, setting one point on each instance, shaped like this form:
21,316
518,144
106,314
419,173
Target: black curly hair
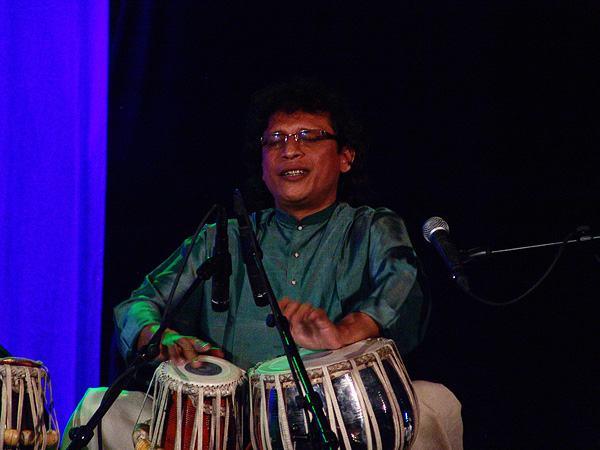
310,96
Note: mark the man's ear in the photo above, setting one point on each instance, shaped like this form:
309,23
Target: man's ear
346,159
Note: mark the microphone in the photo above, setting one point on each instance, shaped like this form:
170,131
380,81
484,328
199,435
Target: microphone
435,231
222,258
251,252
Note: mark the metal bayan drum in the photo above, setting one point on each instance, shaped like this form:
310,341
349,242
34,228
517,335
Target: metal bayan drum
197,407
366,393
27,415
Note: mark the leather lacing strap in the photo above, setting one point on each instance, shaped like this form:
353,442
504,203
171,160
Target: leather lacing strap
371,427
37,410
396,412
197,428
329,403
32,403
284,426
329,393
401,370
215,425
199,419
177,405
159,412
50,400
253,441
5,418
264,425
226,423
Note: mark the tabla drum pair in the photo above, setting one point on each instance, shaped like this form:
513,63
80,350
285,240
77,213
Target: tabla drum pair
27,415
366,393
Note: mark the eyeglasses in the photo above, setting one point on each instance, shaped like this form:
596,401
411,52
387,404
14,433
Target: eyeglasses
303,137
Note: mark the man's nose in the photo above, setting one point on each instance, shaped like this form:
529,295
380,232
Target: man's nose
291,148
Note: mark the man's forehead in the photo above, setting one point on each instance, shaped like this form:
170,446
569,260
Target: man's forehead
298,118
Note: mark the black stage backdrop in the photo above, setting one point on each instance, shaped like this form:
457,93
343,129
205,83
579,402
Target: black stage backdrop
484,113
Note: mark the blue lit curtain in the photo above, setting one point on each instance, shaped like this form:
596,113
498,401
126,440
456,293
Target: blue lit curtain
53,108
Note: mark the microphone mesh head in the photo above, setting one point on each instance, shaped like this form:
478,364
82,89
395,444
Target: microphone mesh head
433,224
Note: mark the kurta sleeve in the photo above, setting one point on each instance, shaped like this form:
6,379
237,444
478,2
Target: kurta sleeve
394,299
146,304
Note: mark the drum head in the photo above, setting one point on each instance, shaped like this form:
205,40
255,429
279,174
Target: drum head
323,358
211,371
13,361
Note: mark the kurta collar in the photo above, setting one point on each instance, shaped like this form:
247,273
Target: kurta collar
314,219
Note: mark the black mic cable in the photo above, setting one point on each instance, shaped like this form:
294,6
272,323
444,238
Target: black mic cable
435,231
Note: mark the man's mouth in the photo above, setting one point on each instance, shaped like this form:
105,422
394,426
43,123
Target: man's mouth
294,172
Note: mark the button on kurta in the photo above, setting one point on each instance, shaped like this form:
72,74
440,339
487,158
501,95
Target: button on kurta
300,227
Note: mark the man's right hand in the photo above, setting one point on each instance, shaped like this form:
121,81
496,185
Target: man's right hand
176,347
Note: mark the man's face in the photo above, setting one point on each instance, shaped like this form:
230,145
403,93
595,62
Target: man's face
303,177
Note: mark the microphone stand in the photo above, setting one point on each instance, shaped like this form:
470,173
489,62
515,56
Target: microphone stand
320,434
580,236
484,253
145,354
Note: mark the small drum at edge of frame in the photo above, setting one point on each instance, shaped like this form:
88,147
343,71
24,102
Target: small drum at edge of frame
197,408
27,415
366,392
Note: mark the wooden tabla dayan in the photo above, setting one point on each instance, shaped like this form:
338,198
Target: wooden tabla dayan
178,423
27,415
366,392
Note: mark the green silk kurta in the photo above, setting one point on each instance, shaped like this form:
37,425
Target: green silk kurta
341,259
